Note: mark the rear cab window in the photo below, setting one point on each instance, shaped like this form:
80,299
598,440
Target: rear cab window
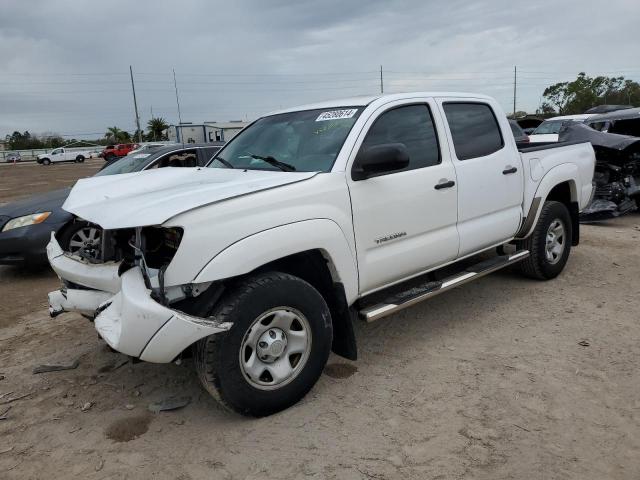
474,129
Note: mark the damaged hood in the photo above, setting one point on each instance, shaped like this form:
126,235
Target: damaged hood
154,196
578,132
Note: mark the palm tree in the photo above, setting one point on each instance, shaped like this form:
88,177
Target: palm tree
156,126
113,134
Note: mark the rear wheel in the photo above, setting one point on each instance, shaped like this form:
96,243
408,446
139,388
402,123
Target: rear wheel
549,244
80,159
276,349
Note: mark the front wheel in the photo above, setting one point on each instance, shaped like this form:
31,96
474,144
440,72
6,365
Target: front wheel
276,349
549,244
82,238
46,161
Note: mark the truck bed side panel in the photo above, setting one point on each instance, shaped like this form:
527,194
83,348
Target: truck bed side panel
541,162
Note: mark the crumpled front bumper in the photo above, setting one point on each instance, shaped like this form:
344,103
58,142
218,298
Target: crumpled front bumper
126,316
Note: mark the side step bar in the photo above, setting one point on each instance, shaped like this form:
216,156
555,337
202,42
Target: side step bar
431,289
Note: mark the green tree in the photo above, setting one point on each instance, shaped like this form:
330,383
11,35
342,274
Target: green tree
113,134
22,141
137,135
568,98
545,108
156,127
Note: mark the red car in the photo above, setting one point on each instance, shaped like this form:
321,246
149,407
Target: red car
120,150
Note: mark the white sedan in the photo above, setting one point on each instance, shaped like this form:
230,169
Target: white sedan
548,130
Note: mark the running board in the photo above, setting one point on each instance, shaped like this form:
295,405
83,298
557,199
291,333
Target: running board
431,289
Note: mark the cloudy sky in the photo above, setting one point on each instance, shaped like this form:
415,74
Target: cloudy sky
64,64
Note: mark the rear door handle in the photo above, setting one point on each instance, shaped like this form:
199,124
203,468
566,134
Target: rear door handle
509,170
447,184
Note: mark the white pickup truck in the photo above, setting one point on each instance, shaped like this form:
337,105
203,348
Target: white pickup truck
307,219
63,155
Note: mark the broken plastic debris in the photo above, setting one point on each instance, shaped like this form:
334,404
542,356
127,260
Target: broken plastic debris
3,415
172,403
56,368
110,367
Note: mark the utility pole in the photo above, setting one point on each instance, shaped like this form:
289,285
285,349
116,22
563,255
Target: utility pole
175,84
515,86
154,132
381,81
135,106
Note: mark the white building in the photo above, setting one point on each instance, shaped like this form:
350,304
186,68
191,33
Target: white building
204,132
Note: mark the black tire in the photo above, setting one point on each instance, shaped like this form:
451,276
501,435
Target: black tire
80,159
218,357
108,157
46,161
70,232
538,265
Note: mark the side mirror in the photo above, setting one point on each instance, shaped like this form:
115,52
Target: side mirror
379,159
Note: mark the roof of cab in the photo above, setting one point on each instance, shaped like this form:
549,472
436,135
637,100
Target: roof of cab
617,115
366,100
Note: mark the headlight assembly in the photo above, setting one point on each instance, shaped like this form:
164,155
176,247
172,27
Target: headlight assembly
32,219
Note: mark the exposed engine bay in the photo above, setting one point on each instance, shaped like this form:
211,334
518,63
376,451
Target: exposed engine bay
150,248
616,175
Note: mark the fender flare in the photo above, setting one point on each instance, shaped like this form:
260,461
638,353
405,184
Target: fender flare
252,252
566,172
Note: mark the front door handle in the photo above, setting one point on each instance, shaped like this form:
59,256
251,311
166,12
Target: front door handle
509,170
447,184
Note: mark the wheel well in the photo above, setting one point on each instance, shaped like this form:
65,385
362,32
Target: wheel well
313,267
563,193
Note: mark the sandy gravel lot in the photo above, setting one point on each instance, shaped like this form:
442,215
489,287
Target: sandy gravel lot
502,378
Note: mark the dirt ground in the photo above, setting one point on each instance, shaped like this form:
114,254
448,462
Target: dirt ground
24,179
502,378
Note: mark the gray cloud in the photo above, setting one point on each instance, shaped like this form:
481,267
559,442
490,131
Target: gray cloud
64,64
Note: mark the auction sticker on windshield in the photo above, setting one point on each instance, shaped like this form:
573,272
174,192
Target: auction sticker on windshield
336,114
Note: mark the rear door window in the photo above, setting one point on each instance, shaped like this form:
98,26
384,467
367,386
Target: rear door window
474,129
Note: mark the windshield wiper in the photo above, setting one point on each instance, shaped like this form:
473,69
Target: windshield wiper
224,162
285,167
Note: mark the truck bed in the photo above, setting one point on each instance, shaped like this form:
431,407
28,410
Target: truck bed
535,147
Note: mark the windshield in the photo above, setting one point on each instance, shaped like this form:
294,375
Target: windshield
516,130
128,164
305,141
550,127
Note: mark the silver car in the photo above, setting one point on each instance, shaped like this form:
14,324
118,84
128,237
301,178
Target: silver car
13,157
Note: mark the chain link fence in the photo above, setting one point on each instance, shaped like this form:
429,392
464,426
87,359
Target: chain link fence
6,156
